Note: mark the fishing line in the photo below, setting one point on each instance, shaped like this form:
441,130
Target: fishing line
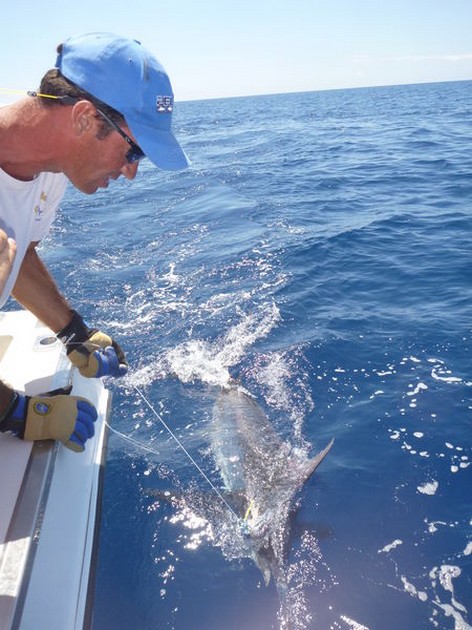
129,439
182,447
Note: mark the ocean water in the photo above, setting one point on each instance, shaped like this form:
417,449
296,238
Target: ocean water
318,252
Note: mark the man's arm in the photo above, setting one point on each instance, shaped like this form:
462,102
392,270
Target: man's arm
93,352
36,290
68,419
7,256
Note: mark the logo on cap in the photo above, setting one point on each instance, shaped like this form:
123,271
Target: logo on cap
164,104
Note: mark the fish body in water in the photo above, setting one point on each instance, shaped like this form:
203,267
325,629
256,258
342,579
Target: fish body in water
261,476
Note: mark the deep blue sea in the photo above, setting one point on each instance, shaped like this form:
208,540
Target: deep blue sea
318,251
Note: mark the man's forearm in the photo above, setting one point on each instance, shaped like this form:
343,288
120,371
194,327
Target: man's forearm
36,290
7,256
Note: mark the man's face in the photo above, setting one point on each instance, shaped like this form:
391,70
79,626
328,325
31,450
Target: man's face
97,161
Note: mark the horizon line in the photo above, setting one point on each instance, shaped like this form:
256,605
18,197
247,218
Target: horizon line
330,89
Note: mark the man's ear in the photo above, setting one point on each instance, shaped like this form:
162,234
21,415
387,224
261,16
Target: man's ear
83,117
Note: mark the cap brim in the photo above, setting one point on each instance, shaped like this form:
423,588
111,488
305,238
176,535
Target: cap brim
161,147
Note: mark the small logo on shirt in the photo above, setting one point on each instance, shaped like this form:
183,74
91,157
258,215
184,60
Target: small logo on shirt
39,208
164,104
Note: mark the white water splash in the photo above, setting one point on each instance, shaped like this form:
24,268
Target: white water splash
441,579
208,361
353,625
392,545
420,387
441,373
198,361
412,590
428,488
445,574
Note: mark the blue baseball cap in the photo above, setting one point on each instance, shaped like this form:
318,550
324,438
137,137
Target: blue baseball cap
123,74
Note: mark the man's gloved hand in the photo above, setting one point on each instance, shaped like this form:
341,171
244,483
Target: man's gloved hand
92,351
68,419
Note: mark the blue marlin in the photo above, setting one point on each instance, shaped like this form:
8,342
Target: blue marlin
261,475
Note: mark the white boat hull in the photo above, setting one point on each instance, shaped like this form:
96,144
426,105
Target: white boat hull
49,495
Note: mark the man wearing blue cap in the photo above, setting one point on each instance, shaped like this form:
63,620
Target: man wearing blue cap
107,104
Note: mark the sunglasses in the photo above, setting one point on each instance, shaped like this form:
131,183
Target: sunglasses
135,152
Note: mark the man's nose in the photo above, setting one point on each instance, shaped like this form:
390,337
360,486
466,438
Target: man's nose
130,170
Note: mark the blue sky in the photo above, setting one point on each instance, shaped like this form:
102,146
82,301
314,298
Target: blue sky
225,48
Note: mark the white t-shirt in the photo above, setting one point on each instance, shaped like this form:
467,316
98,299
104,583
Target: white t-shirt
27,210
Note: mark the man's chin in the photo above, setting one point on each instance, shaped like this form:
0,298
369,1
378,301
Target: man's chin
89,188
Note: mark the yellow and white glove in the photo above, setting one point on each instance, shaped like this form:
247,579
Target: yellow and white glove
68,419
93,352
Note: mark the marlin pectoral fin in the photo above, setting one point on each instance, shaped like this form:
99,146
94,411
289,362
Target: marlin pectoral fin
312,464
